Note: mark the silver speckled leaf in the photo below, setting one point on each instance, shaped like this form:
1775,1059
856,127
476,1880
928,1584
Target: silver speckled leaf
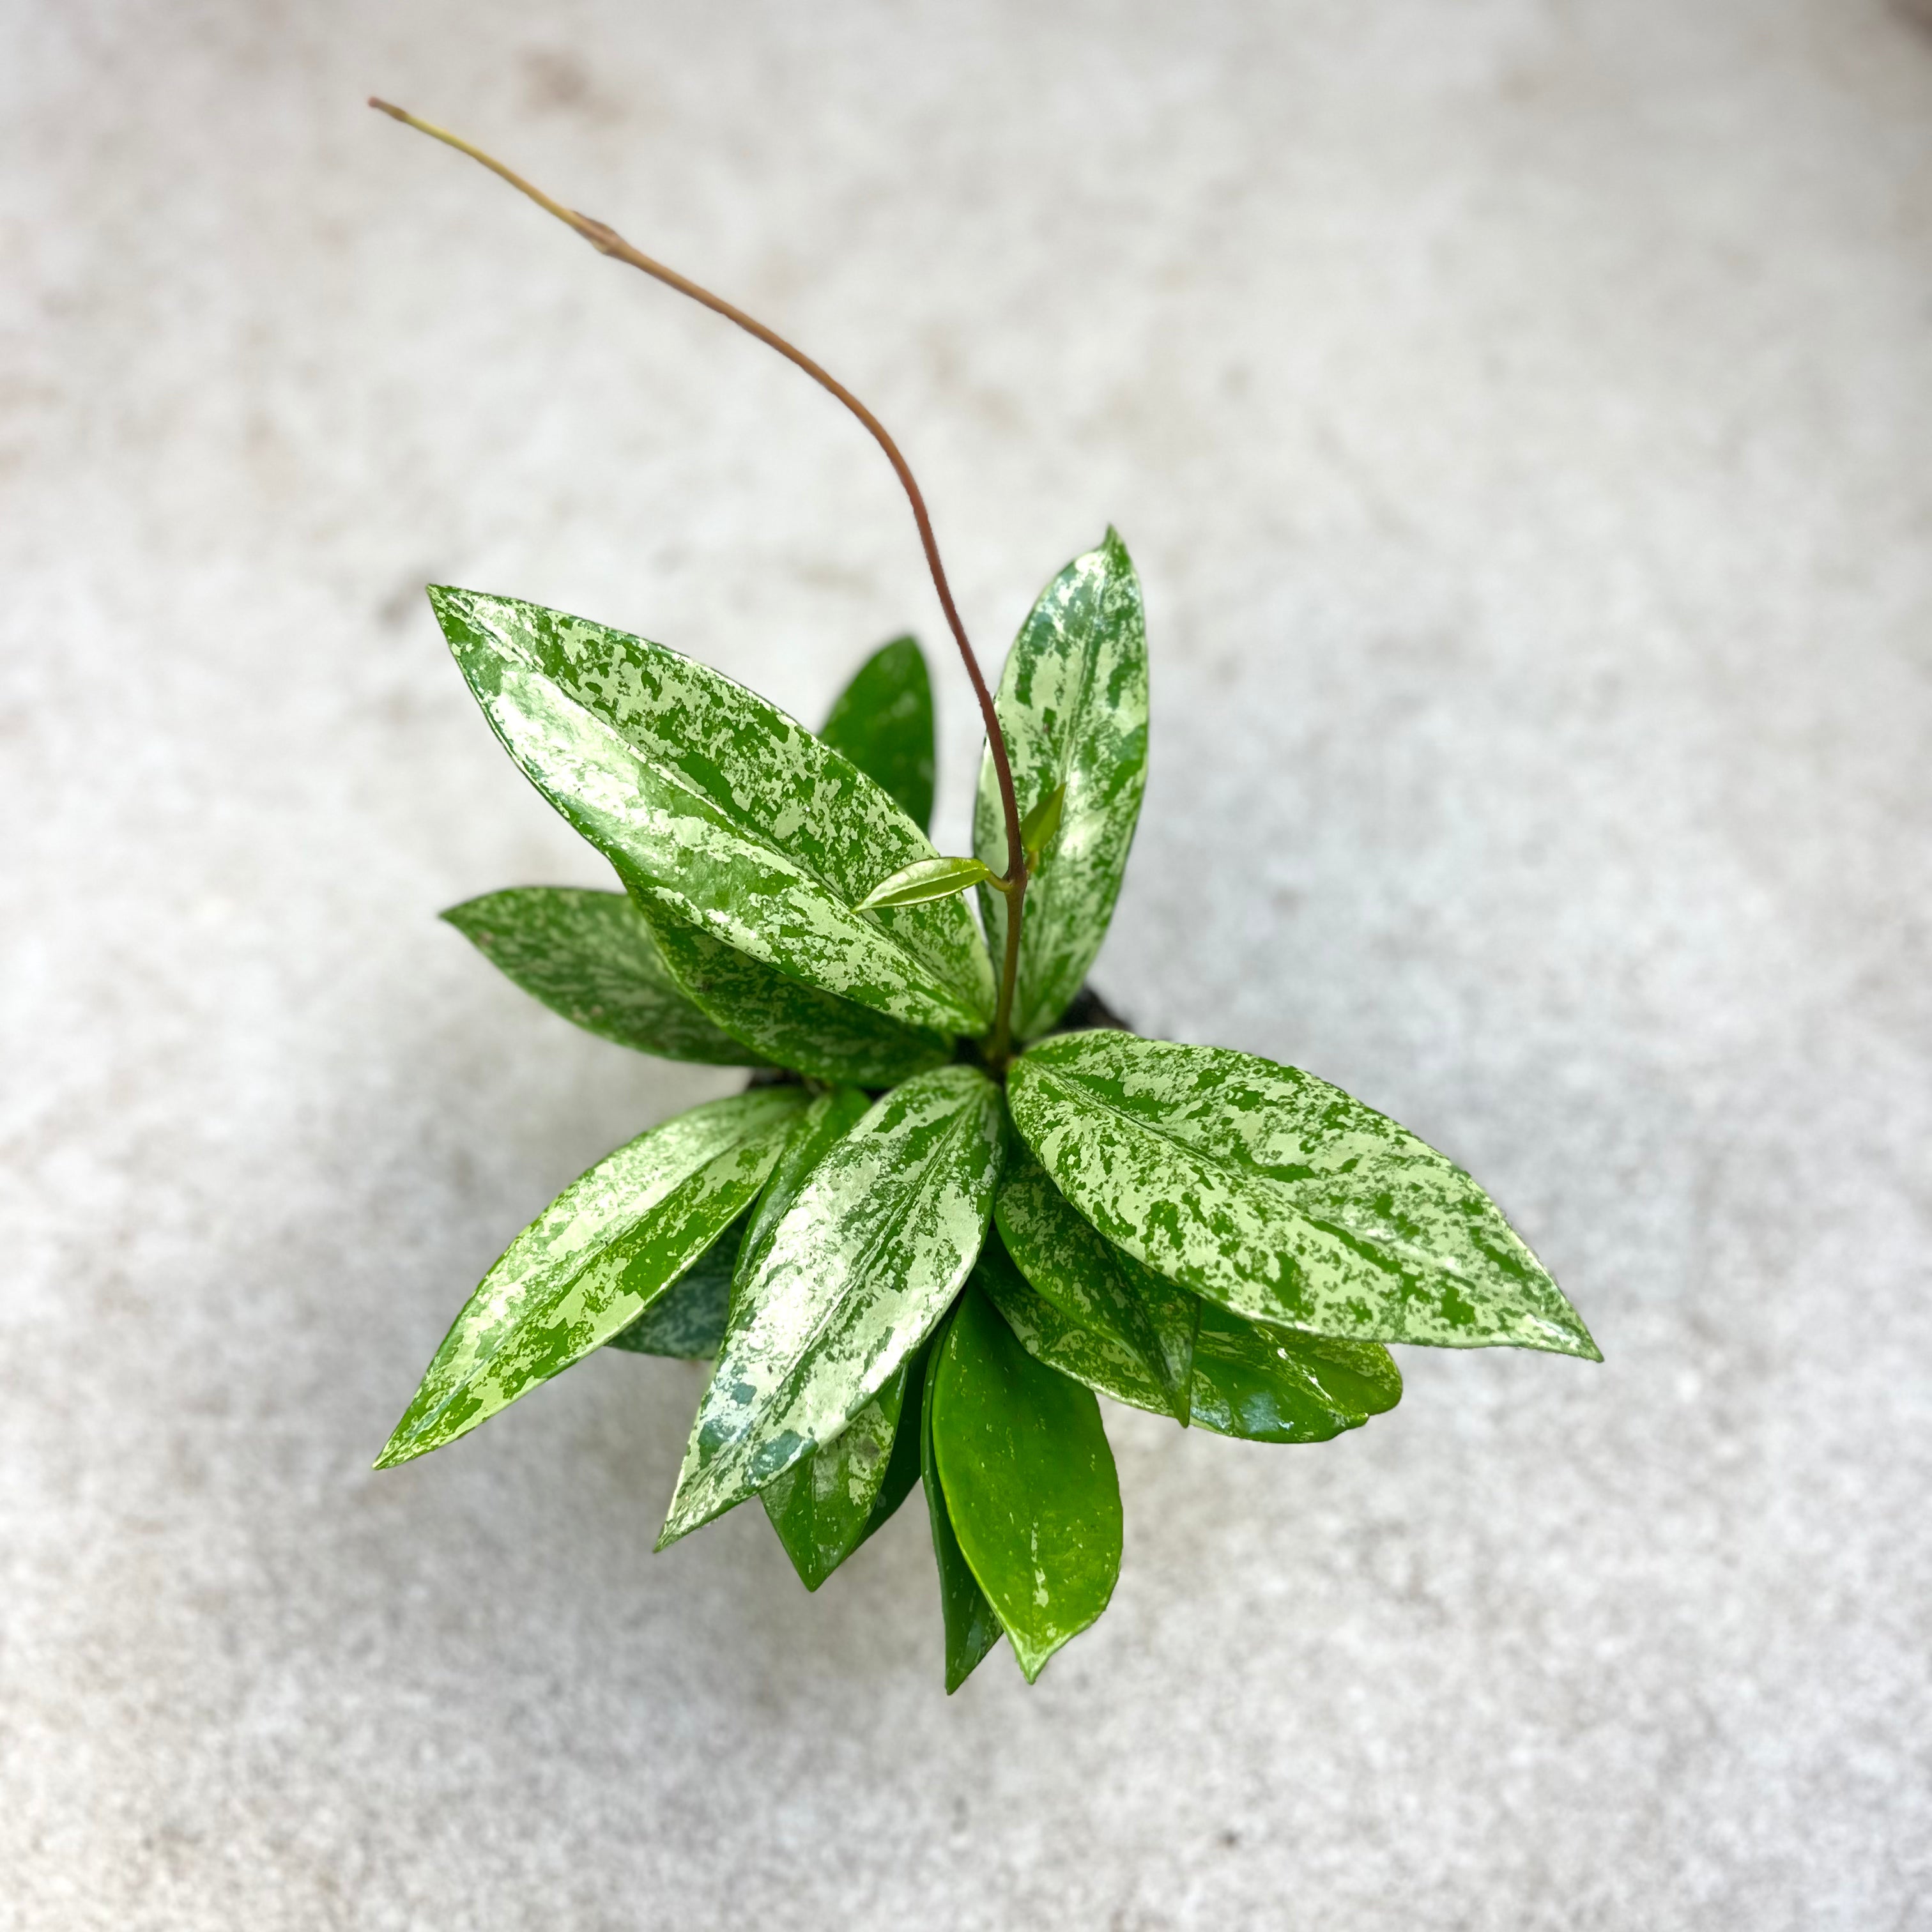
721,808
1073,704
687,1321
791,1024
824,1123
874,1246
595,1259
1278,1196
828,1502
1096,1285
1259,1384
590,956
826,1505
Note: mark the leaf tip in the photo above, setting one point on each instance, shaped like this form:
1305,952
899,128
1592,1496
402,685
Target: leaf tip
1033,1661
1576,1341
398,1449
691,1508
678,1524
1569,1336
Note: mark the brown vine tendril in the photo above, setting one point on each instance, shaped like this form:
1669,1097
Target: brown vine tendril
607,240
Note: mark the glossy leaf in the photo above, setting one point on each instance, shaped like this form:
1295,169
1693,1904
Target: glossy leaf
1259,1384
1038,827
925,880
688,1320
1073,704
791,1024
595,1259
875,1245
720,809
883,722
1029,1483
1094,1284
826,1504
589,956
902,1472
1277,1195
826,1121
971,1628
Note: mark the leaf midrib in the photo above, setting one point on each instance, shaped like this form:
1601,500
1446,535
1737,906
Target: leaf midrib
482,1361
672,776
933,981
1381,1254
869,1252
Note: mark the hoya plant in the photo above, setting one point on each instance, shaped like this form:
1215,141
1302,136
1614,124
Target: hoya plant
957,1200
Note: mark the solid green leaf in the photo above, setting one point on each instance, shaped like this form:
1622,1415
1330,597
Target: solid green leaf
970,1627
1073,705
924,879
875,1245
1259,1384
1038,827
595,1259
1094,1283
791,1024
883,722
1029,1483
688,1319
826,1504
590,956
718,808
1277,1195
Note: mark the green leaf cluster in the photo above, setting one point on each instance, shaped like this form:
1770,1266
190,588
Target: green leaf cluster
912,1259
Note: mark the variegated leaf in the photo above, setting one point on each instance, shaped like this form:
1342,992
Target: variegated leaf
1259,1384
970,1628
1094,1283
876,1244
720,809
827,1121
791,1024
687,1321
883,722
1073,705
1029,1483
827,1504
1277,1195
590,956
595,1259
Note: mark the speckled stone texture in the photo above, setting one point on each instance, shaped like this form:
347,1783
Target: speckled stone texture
1519,413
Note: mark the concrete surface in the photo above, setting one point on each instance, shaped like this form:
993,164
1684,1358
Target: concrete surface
1520,414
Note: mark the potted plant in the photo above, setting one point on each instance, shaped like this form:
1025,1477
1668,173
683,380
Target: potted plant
958,1198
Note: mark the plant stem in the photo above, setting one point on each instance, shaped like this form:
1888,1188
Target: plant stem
607,240
999,1048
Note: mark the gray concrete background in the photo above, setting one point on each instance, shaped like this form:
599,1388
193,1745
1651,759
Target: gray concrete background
1519,412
